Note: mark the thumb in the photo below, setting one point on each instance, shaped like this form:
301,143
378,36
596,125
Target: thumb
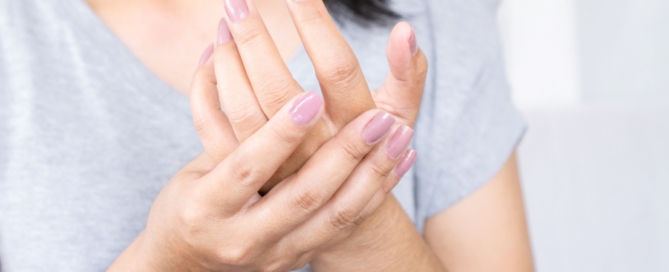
401,94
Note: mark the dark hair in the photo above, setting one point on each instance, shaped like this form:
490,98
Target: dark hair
363,12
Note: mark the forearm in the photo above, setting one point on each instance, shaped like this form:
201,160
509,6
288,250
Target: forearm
386,241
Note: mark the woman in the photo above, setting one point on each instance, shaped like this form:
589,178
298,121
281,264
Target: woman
94,130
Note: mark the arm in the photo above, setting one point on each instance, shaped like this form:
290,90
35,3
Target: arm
484,232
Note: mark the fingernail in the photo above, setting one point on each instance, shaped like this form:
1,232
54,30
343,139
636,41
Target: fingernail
236,10
206,54
405,162
305,108
399,142
412,42
378,127
224,35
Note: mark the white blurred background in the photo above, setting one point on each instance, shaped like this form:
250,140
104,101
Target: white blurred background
592,79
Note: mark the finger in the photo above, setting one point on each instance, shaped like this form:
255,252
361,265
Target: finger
271,80
210,122
235,180
342,83
344,208
406,161
296,198
234,89
402,92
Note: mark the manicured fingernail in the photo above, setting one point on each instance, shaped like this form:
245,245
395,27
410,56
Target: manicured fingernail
224,35
236,10
412,42
378,127
399,142
206,54
305,108
405,162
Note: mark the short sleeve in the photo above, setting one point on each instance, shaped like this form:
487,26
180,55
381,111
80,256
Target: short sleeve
468,126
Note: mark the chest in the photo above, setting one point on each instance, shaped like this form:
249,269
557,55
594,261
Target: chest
168,40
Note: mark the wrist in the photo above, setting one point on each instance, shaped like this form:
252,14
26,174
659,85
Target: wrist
366,241
387,241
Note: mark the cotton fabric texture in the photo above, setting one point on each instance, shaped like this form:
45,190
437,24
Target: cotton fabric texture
89,136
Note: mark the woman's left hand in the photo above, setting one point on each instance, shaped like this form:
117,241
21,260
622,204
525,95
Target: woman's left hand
253,81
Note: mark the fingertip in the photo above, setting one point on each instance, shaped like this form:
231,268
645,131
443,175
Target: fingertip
401,49
305,108
403,38
223,34
406,162
206,55
378,127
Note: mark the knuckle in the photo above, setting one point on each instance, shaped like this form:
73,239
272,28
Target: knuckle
378,171
244,170
307,200
358,222
352,152
238,256
284,134
246,118
342,72
341,217
193,221
311,15
249,38
200,122
275,91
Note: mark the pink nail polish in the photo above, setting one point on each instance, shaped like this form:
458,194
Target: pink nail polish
224,35
405,162
378,127
305,108
399,142
236,10
412,42
206,54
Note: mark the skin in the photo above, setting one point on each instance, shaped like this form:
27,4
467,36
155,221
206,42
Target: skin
484,232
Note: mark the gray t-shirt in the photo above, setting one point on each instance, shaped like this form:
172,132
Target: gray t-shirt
89,136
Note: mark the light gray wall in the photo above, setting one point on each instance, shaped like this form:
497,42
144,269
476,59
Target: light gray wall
565,53
623,48
592,78
596,186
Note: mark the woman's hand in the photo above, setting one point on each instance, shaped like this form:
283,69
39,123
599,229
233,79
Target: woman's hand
209,217
253,82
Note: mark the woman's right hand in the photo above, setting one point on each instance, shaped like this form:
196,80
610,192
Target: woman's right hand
210,217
